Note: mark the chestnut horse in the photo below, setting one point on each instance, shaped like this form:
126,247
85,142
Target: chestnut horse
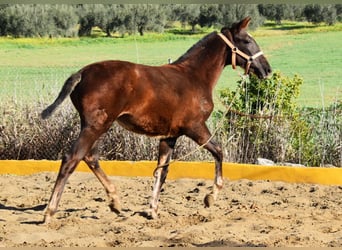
167,101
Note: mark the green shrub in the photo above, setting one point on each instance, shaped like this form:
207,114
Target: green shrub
263,120
258,119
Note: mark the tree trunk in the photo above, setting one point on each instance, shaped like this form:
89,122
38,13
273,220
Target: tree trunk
141,30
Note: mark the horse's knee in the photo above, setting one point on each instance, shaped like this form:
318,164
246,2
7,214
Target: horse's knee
219,152
65,158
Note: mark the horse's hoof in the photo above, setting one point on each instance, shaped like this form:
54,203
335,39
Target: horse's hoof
48,216
115,207
150,214
208,200
47,219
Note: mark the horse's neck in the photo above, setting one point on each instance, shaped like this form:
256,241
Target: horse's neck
207,62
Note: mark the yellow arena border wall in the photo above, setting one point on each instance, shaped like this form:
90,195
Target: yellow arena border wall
181,169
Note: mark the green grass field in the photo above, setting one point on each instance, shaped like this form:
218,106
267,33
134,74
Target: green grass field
35,69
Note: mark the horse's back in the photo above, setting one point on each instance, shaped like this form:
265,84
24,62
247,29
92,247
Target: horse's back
131,80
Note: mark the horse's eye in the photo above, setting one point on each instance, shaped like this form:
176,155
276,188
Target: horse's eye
247,41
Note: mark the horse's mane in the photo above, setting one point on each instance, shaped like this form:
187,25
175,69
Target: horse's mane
196,47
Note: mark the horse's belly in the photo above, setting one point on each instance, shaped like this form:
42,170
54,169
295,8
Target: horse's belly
157,126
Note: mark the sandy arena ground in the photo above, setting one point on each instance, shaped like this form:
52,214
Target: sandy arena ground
248,213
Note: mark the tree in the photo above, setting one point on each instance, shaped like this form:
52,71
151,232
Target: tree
145,17
338,8
294,12
187,14
274,12
63,21
3,19
329,14
113,19
17,21
209,15
231,13
106,18
87,20
317,13
37,20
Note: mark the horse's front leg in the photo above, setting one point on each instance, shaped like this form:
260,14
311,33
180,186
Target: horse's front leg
202,135
216,151
166,147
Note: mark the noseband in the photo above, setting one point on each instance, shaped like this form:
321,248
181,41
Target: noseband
235,51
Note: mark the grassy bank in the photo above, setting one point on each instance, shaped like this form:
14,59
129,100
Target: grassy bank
32,67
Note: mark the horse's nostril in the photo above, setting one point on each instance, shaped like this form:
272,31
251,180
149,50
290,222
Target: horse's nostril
268,72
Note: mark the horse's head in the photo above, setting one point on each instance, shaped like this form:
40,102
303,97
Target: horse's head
245,52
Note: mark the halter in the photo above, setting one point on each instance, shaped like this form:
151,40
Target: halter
235,51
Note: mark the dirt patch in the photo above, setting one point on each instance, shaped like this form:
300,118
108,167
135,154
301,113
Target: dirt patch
248,213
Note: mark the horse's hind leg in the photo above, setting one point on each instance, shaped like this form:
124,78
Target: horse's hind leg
92,161
70,161
166,147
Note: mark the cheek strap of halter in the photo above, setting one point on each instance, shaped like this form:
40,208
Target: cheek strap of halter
235,51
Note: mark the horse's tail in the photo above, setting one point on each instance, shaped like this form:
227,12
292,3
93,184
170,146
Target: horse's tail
67,88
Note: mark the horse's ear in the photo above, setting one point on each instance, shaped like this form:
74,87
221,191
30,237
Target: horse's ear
244,23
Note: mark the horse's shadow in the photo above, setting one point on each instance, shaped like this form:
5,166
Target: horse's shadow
126,213
24,209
